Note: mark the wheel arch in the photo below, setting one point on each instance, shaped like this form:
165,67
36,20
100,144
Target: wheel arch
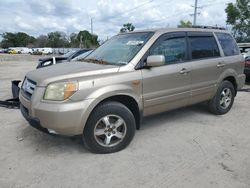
233,81
129,101
231,76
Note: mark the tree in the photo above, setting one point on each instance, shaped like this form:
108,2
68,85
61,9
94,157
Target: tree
19,39
185,24
87,40
128,27
57,39
238,15
73,40
41,41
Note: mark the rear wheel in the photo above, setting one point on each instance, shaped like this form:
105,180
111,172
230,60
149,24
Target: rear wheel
110,128
223,100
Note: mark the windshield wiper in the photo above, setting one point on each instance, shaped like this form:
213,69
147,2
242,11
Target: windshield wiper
101,61
96,61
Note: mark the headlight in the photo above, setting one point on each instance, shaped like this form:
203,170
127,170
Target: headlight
60,91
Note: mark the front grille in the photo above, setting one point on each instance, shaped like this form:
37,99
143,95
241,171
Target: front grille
28,88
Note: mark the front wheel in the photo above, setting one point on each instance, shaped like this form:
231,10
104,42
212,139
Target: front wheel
110,128
223,100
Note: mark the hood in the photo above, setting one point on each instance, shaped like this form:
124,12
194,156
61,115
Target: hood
68,71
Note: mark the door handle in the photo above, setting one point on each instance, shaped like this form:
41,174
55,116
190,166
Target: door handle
184,71
220,65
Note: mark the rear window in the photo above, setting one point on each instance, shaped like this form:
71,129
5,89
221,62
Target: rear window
228,44
203,47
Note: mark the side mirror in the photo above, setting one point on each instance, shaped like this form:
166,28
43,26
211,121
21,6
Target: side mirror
155,60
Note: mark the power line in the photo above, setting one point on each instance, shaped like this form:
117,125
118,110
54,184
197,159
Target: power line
139,6
200,7
170,16
212,4
209,3
132,9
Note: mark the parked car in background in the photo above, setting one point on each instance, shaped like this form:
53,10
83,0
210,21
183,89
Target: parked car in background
18,49
247,67
133,75
46,51
12,51
5,50
26,51
48,61
244,48
246,54
37,51
82,56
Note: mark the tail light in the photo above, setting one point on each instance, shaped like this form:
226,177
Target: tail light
247,62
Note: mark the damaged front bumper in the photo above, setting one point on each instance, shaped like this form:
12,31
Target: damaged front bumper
34,122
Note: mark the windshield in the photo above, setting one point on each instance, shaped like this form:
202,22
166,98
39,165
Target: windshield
120,49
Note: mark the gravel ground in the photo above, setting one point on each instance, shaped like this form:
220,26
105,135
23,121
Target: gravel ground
188,147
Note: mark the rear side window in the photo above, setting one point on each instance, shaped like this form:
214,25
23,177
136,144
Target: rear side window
228,44
203,47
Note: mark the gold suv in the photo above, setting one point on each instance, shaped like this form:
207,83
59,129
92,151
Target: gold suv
105,96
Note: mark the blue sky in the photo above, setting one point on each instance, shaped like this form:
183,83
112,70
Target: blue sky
40,17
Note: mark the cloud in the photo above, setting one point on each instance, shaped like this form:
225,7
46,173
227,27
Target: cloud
40,17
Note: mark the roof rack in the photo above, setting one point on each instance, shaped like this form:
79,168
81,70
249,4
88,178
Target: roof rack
208,27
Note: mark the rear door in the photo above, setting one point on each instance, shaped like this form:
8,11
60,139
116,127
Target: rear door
168,86
207,65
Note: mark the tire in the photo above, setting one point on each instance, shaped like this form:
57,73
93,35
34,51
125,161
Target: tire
221,103
110,128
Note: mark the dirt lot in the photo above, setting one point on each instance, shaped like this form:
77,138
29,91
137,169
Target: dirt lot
184,148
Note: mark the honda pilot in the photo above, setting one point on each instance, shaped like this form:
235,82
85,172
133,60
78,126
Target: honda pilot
104,97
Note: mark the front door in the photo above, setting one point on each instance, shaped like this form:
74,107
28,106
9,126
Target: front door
168,86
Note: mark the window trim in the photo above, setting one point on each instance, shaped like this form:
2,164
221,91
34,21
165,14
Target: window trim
201,34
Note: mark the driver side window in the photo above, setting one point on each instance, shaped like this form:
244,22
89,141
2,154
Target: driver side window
173,49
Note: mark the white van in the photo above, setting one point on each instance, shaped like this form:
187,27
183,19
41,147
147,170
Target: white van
26,51
47,51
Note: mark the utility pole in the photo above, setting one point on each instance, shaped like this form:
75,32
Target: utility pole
91,22
195,12
81,45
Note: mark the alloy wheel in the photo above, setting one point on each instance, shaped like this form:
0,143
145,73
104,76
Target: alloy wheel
225,98
110,130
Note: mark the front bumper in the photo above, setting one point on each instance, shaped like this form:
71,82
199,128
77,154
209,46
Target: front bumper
66,118
34,122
